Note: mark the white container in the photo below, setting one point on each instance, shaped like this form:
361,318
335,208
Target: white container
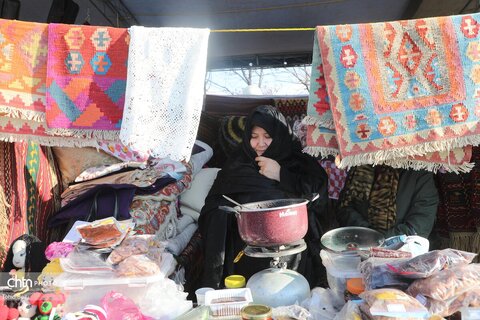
200,293
227,302
83,289
470,313
340,268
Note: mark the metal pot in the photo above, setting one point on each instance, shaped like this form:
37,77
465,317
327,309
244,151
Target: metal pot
273,222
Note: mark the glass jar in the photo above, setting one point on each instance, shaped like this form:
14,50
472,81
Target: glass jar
256,312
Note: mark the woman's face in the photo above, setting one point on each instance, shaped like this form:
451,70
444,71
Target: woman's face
260,140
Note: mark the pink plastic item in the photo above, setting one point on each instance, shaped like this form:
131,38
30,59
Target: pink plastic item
119,307
58,250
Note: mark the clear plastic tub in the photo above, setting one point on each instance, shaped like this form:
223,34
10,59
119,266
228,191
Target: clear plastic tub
227,303
340,268
82,289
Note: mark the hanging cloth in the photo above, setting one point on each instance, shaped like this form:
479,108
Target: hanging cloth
164,94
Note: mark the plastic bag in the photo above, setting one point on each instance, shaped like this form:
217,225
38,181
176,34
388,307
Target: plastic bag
425,265
172,298
133,245
377,274
324,304
350,311
471,298
137,266
119,307
393,303
291,312
447,283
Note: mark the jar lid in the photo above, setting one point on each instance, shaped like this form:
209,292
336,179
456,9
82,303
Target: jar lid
235,281
355,285
256,311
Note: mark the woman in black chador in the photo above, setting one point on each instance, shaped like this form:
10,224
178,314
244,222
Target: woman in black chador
268,164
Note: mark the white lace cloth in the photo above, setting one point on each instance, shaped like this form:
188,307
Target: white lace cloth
164,94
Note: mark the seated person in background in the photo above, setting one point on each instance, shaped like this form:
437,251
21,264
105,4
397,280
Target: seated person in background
391,201
268,164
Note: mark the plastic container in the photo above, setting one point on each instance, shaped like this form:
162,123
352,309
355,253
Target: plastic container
235,281
227,302
200,294
470,313
340,268
83,289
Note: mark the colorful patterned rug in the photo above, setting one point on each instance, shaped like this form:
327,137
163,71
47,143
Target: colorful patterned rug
294,109
23,73
8,182
86,79
38,187
398,89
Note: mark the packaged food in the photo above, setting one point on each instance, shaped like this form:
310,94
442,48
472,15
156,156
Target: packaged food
468,299
132,245
425,265
393,303
377,274
447,283
137,266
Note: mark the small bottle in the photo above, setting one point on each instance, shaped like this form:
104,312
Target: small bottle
256,312
235,281
355,286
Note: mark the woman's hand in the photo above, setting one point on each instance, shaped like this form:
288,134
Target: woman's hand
269,168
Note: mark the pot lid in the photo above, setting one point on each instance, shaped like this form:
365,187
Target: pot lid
348,239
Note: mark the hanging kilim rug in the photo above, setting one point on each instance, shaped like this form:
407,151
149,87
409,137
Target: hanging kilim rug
401,88
86,78
23,73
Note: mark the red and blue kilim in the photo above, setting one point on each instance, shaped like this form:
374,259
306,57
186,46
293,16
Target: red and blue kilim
398,89
86,78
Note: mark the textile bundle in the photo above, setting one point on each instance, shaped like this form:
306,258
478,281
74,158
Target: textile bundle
396,91
164,97
86,78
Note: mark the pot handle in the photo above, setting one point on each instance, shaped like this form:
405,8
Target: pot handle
229,209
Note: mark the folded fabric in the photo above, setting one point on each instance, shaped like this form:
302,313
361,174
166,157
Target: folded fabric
97,172
119,151
164,97
397,89
79,208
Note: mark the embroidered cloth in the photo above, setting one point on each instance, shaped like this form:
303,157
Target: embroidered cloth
86,78
164,97
398,89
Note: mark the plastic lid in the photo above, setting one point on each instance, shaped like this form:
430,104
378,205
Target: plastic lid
235,281
355,285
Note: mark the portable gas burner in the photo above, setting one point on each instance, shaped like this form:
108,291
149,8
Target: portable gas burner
276,251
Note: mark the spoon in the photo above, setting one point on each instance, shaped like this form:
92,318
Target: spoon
234,202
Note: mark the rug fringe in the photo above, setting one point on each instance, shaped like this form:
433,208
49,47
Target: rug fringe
403,152
48,141
319,151
324,121
462,240
109,135
32,115
476,245
429,166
